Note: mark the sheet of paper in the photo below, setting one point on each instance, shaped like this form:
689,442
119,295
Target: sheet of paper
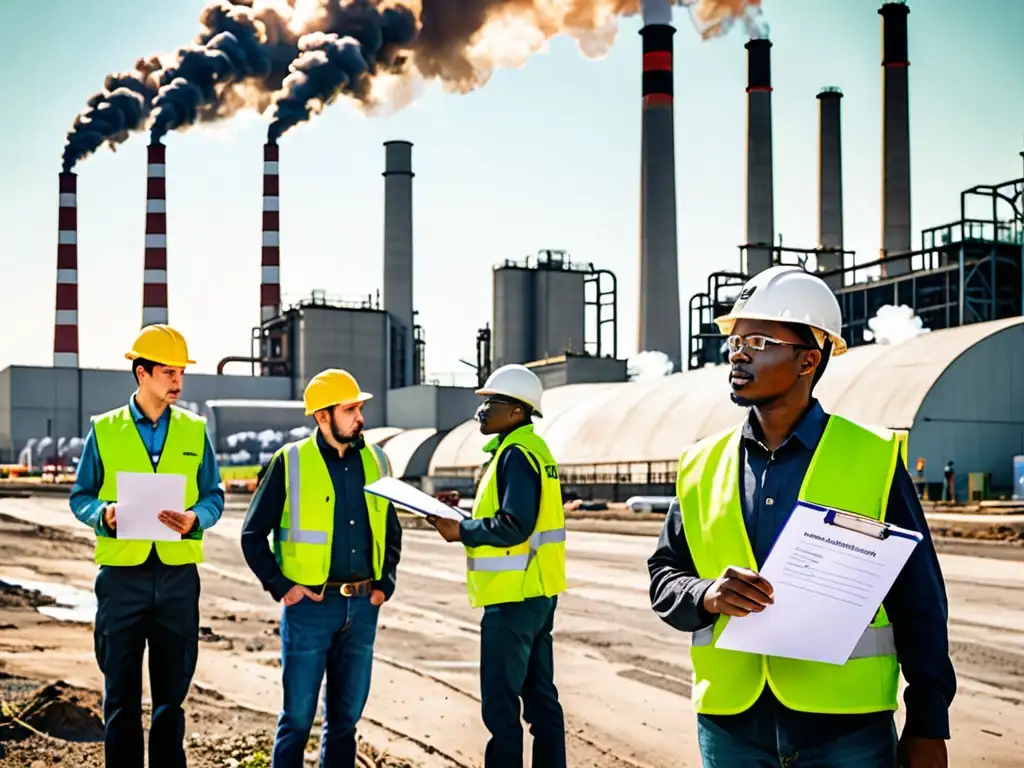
828,583
404,496
143,495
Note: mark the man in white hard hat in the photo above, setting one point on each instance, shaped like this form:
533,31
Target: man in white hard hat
735,492
515,546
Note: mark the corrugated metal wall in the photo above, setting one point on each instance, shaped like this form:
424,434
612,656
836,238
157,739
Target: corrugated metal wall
974,414
46,401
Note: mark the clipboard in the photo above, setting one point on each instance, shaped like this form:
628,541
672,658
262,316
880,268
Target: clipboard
830,569
850,521
405,496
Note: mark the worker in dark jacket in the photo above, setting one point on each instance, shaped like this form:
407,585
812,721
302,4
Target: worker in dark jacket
515,546
336,551
729,510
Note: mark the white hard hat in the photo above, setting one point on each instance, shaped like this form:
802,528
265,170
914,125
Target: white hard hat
517,382
789,295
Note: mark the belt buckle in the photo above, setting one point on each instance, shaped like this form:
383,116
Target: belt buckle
348,590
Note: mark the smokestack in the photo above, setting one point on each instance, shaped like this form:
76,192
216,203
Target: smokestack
65,324
659,328
270,264
760,183
830,181
896,235
398,294
154,281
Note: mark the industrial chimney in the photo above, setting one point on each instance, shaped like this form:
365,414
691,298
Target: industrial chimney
830,181
270,264
65,324
659,327
154,281
896,235
398,293
760,182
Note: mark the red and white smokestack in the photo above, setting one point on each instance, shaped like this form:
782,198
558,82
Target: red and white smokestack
270,264
896,234
830,182
659,328
65,324
154,281
760,181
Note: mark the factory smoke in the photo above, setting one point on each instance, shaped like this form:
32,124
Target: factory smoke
294,57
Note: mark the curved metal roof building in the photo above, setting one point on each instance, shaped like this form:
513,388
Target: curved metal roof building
959,391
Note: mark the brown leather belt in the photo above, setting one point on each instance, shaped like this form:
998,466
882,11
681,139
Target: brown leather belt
348,588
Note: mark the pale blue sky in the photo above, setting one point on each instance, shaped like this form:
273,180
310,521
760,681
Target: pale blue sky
546,156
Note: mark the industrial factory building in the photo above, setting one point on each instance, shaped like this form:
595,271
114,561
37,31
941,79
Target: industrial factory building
558,314
614,440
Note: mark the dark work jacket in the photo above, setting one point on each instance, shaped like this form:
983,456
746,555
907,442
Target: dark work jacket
352,543
916,605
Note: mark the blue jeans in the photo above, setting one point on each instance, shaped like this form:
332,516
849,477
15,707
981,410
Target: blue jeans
873,746
335,637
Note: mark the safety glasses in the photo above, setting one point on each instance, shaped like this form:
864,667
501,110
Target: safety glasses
759,343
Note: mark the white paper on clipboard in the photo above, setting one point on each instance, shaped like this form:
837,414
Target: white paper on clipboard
405,496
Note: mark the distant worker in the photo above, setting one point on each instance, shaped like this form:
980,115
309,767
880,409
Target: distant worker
147,592
920,483
735,492
333,564
949,488
515,544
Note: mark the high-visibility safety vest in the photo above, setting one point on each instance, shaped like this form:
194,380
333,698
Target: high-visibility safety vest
302,543
851,470
536,567
121,450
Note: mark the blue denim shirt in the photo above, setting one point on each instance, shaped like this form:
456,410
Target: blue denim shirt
916,604
89,509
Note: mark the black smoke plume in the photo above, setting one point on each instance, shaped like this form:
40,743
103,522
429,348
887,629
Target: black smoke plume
113,113
363,40
258,54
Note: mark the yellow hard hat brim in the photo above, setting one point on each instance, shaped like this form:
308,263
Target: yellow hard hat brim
171,363
362,397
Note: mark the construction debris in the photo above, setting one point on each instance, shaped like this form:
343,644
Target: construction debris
12,596
60,724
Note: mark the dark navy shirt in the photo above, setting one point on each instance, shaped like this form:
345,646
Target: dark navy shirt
519,494
352,542
916,605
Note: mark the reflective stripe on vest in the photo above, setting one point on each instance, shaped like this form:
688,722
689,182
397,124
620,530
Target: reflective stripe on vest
302,542
295,534
516,562
709,486
876,641
121,449
536,567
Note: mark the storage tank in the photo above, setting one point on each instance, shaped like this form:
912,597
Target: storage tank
514,316
560,314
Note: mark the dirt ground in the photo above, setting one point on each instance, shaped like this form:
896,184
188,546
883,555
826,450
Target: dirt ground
623,676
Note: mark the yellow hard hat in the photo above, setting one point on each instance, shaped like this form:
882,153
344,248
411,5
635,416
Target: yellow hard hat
161,344
332,387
